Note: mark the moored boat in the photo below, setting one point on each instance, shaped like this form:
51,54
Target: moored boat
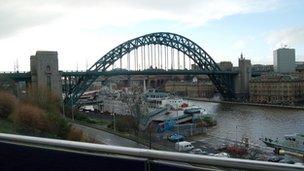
292,143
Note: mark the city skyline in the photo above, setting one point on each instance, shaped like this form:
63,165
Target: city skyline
83,32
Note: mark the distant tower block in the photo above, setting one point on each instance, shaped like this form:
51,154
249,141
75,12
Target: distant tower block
45,73
243,78
284,60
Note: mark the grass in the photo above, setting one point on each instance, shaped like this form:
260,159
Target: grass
83,118
7,127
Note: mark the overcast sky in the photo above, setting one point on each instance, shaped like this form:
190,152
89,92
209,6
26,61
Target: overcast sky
82,31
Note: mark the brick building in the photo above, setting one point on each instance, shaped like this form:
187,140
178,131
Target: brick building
191,89
277,89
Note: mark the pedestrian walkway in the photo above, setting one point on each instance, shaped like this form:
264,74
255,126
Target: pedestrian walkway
108,138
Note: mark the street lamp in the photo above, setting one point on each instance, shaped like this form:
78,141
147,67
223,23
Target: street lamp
63,110
72,108
177,129
236,134
113,113
150,137
114,122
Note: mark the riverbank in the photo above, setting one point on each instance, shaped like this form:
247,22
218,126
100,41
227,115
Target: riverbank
139,140
248,104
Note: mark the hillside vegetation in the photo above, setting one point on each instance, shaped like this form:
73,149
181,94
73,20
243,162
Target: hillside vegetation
36,114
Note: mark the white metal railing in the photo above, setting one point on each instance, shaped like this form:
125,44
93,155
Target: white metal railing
148,154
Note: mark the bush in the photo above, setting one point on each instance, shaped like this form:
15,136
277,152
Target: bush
75,134
209,120
81,117
84,118
57,125
31,119
43,98
7,104
125,124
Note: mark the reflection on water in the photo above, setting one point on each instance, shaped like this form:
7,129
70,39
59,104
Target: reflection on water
252,121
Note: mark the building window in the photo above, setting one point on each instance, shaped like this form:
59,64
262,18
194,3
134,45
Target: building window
49,82
48,68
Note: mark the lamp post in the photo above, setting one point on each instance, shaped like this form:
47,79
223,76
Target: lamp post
177,122
150,137
72,108
63,110
114,123
236,134
114,118
177,129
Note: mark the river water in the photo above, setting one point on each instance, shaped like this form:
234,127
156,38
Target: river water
236,121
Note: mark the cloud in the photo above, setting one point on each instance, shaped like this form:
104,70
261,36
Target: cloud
293,36
76,27
16,15
239,45
19,15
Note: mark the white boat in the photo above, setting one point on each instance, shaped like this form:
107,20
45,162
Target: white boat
175,103
191,110
156,99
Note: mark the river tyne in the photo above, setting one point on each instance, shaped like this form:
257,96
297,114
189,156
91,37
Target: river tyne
235,121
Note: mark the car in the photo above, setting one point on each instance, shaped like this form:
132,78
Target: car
222,154
199,151
288,161
275,158
176,137
183,146
196,151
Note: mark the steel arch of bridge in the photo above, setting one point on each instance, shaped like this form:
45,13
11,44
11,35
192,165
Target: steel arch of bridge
175,41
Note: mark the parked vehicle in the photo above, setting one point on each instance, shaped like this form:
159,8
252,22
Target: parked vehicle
275,158
222,154
198,151
288,161
183,146
176,137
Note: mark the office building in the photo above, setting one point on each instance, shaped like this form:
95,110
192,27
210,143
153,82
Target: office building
284,60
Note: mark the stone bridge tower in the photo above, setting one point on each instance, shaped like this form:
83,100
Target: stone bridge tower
45,73
243,78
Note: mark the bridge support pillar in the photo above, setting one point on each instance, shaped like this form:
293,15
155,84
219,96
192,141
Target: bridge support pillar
144,85
45,73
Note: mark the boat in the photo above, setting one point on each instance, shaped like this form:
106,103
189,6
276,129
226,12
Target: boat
158,99
174,102
292,143
154,98
194,110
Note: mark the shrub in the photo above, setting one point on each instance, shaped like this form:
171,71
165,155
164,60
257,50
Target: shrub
30,118
84,118
126,124
43,98
57,125
81,117
75,134
7,104
209,120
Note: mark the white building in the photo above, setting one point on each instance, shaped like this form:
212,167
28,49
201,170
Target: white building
284,60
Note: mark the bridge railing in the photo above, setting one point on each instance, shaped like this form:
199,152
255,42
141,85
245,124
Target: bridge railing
79,155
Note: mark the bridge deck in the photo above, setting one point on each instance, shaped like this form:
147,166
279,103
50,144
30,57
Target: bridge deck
147,72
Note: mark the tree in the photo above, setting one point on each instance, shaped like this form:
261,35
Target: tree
43,98
8,104
135,104
8,85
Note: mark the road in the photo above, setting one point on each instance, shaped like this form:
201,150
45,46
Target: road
108,138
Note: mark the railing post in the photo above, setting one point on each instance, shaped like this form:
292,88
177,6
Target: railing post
148,165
